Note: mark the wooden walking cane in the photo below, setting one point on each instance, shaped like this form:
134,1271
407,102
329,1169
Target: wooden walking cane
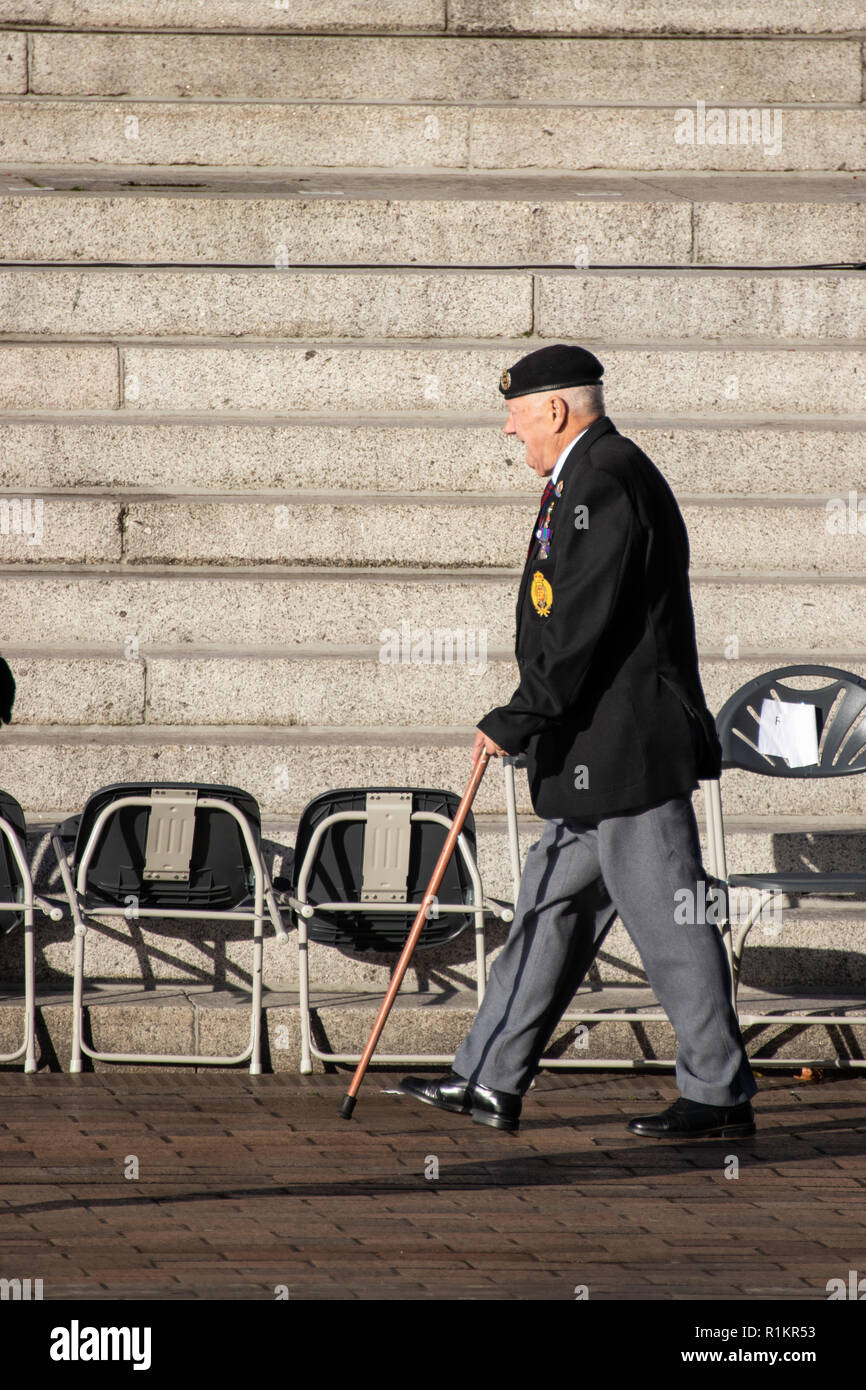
347,1105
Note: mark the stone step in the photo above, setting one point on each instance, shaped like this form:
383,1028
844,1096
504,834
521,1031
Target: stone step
819,944
798,951
654,17
292,135
651,307
664,17
194,215
282,609
827,843
699,305
201,1021
332,68
362,378
466,455
318,15
284,768
726,534
294,304
312,688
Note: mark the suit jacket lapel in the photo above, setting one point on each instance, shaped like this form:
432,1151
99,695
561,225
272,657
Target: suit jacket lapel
571,461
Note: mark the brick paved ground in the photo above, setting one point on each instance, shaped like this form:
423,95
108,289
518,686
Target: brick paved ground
249,1183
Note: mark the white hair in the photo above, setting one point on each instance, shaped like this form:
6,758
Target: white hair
585,400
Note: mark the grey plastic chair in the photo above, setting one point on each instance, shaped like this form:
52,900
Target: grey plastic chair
840,704
363,860
17,904
164,850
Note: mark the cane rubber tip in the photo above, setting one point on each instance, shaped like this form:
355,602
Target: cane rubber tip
347,1105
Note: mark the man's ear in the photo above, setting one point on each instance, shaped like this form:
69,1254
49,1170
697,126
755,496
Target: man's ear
558,413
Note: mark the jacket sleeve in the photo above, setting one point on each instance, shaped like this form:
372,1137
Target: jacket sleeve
588,566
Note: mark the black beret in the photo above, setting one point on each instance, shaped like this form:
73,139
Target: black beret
551,369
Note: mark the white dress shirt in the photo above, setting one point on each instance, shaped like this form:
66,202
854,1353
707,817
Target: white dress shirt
557,467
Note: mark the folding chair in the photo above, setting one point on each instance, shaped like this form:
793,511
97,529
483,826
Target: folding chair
840,734
363,859
632,1016
167,850
17,902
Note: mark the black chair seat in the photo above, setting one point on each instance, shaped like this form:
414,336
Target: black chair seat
221,875
336,873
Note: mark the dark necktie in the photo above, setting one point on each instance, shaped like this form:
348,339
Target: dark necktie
545,498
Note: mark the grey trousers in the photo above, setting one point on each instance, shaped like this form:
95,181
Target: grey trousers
576,879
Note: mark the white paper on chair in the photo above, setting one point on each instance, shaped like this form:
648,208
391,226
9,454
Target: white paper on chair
789,731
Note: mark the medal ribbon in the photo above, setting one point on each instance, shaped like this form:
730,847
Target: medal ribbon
545,498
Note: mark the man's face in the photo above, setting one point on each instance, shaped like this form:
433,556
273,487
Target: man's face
532,424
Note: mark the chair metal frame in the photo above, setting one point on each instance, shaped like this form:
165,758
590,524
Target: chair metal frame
303,909
26,906
264,900
835,736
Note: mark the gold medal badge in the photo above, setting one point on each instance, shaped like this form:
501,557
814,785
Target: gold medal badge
541,594
505,380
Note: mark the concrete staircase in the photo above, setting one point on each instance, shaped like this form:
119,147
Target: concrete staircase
261,266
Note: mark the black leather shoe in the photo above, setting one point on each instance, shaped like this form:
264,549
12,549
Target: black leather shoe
689,1119
501,1109
450,1092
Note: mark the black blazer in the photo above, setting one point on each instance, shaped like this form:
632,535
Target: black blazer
609,710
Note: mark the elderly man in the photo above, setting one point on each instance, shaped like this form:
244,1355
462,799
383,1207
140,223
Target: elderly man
611,716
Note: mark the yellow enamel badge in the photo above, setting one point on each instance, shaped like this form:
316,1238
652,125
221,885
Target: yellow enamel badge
541,594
